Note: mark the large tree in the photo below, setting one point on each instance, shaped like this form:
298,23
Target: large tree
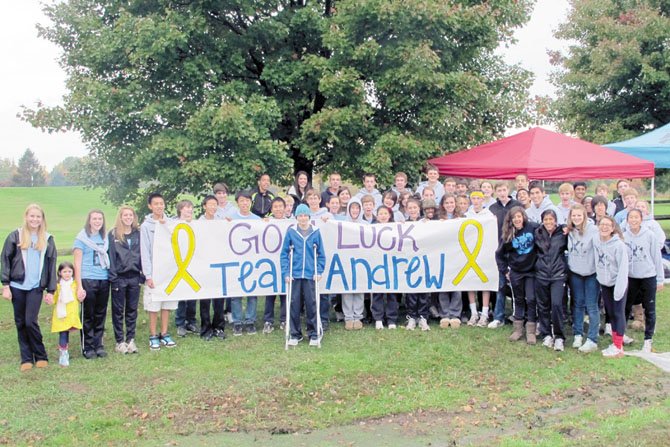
29,171
180,94
614,81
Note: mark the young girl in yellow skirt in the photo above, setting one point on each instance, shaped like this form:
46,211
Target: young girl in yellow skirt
66,310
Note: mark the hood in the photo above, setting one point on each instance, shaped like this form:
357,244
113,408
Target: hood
352,201
546,202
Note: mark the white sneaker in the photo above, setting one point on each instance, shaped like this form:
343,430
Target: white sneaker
293,342
379,325
627,340
411,324
608,329
423,324
548,341
314,342
392,326
121,348
578,342
483,321
646,347
473,319
131,347
612,352
588,346
495,324
558,344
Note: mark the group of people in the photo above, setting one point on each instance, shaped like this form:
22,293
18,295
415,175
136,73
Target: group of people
561,261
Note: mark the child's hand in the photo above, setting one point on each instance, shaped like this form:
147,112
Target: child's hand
81,300
6,293
49,298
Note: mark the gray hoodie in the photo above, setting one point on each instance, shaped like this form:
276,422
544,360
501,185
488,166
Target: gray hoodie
534,213
147,230
644,258
374,193
580,250
655,228
612,264
360,215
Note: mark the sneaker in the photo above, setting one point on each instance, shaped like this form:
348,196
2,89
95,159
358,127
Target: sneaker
207,335
444,323
612,352
483,321
558,345
167,341
411,324
181,331
339,316
455,323
392,326
132,347
495,324
473,319
89,355
548,341
268,327
100,352
64,359
433,312
282,326
314,342
627,340
646,347
423,324
293,341
192,328
237,330
608,329
154,343
219,333
578,342
251,329
121,348
379,325
588,346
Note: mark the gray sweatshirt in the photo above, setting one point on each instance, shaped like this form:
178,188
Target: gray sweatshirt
581,259
147,230
612,264
644,258
534,213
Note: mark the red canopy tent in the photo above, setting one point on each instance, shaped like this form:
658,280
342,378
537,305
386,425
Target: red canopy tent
542,155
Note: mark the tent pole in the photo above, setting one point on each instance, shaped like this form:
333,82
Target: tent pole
652,196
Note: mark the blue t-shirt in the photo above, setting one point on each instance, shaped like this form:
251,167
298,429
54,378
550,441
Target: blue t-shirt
237,216
90,265
32,268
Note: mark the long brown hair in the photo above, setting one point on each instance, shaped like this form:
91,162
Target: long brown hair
87,225
119,234
616,229
26,239
508,229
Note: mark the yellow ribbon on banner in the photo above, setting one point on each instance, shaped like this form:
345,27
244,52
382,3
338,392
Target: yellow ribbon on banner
471,255
182,264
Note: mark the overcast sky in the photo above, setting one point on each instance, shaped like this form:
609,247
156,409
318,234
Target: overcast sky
30,73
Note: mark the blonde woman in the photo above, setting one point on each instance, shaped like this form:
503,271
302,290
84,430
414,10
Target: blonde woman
29,268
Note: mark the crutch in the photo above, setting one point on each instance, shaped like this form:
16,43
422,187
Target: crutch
319,327
288,297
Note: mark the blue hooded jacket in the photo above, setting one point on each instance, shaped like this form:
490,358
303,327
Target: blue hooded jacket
303,254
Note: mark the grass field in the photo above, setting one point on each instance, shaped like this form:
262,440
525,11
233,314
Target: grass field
465,387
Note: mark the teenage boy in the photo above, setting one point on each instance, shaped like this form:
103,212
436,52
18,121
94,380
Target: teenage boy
278,212
621,186
370,188
248,321
313,200
334,208
520,182
629,199
603,190
184,318
368,203
500,208
538,203
461,187
224,207
566,192
449,186
580,192
400,184
334,183
304,239
477,210
156,205
261,197
214,325
433,181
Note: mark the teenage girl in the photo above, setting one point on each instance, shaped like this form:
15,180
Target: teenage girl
417,303
384,304
65,316
451,304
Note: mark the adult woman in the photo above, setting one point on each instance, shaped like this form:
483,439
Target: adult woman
91,273
300,187
125,277
550,276
28,268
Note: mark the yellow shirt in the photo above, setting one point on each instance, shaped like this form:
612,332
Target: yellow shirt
71,320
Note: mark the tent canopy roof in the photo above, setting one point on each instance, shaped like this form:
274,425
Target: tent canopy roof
544,155
653,146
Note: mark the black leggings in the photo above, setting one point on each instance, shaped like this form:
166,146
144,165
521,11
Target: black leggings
643,290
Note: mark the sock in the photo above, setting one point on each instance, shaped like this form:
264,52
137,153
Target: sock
617,339
473,308
485,311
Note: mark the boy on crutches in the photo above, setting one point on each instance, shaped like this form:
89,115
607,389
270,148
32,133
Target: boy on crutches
302,263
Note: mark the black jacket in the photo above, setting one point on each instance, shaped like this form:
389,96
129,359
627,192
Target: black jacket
519,254
261,203
124,257
13,268
500,211
551,263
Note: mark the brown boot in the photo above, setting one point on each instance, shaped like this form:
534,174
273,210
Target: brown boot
531,338
518,331
638,318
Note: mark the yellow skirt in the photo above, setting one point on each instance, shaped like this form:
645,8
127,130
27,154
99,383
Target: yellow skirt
71,320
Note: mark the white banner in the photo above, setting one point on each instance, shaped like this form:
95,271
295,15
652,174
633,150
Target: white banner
211,259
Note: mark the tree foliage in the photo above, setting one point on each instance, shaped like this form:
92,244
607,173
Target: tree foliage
7,171
180,94
614,82
65,172
29,171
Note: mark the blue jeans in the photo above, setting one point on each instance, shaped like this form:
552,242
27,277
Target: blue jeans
585,296
499,310
250,315
185,313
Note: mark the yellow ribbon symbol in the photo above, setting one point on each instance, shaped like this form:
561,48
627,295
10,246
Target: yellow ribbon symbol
182,264
471,255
